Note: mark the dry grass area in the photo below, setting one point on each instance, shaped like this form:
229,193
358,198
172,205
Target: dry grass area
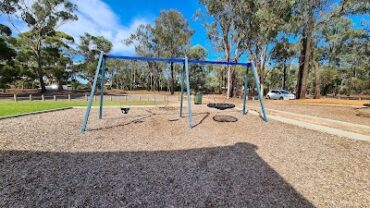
341,113
149,158
322,101
343,110
328,101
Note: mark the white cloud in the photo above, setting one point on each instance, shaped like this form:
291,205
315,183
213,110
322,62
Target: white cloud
97,18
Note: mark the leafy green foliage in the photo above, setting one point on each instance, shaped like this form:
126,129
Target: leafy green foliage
8,71
172,33
90,48
274,34
170,37
198,71
42,17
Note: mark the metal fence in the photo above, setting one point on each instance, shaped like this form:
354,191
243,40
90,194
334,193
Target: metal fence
73,97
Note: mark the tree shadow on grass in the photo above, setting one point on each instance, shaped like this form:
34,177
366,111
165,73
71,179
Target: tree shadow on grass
229,176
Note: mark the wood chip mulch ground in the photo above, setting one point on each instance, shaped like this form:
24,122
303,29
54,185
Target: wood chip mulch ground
150,158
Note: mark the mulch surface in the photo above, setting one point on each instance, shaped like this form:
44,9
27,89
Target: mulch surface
150,158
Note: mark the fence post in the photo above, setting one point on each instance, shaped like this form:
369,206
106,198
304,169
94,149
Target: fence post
111,98
69,97
94,97
15,97
43,97
86,96
55,97
30,97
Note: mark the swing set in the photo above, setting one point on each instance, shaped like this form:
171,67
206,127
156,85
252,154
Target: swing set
101,70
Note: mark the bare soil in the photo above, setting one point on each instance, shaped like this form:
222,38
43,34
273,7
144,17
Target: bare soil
150,158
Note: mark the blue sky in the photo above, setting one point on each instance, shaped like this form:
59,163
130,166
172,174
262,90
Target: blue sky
117,19
130,10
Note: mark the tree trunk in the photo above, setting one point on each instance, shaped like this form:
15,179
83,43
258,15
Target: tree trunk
172,80
317,79
229,82
60,86
307,39
40,74
262,67
284,76
134,81
227,56
222,79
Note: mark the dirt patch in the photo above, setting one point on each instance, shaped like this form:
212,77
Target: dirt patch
329,101
142,159
364,112
340,113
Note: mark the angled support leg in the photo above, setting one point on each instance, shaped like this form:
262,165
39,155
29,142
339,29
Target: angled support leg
91,98
182,89
245,92
188,92
102,89
256,81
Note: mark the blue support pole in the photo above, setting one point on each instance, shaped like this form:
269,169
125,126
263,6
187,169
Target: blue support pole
102,89
256,81
245,93
91,98
182,89
188,92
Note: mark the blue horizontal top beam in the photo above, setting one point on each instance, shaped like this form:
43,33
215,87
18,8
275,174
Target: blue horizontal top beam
176,60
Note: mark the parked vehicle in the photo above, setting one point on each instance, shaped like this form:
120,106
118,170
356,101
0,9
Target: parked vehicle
280,95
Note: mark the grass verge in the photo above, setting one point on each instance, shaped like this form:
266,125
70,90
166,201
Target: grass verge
8,108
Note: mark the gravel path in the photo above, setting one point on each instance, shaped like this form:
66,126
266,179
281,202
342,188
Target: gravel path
149,158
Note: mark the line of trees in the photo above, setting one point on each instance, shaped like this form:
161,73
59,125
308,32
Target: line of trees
306,46
328,44
42,52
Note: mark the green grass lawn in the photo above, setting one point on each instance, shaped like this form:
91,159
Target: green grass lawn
8,108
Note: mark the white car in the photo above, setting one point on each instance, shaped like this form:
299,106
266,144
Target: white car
280,95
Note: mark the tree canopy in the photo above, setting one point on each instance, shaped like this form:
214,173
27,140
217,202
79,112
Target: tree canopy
309,47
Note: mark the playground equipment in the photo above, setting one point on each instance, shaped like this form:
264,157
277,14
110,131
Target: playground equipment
125,110
224,118
221,106
101,69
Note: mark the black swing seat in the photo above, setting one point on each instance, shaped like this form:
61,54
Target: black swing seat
125,110
221,106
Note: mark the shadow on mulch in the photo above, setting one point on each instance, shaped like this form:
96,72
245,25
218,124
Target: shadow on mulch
206,114
139,119
229,176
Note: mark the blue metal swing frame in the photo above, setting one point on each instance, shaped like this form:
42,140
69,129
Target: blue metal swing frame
101,69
